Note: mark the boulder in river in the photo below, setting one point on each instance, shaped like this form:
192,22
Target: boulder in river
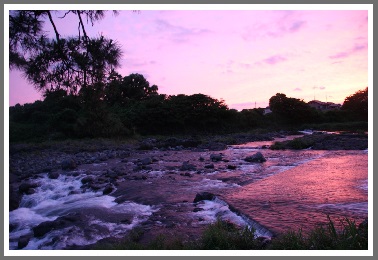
53,175
257,157
68,164
203,196
216,157
186,166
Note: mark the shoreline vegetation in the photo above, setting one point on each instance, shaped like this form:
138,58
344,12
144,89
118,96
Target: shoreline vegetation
223,235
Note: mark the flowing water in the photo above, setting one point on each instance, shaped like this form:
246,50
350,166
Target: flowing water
291,190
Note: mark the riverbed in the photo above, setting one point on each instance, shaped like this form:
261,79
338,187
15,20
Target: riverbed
154,190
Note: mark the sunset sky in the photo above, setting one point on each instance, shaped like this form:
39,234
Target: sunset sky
244,57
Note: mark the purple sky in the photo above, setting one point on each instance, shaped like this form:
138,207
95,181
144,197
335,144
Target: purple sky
242,57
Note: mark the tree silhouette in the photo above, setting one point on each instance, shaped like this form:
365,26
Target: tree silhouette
357,104
60,63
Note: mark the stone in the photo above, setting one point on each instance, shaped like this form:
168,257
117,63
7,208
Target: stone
26,186
231,167
257,157
203,196
145,161
186,166
53,175
68,164
108,189
216,157
87,179
209,166
23,241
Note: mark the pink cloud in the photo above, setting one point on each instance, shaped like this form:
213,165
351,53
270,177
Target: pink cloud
272,60
344,54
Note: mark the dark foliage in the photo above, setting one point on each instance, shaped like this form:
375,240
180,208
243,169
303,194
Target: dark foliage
357,105
124,106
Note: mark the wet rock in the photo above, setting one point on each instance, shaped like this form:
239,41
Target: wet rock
23,241
216,157
73,192
95,186
146,161
197,209
27,187
53,175
186,166
257,157
201,159
142,167
187,174
30,191
203,196
68,164
108,189
60,223
87,179
231,167
14,198
209,166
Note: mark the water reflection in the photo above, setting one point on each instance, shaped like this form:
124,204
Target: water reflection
302,196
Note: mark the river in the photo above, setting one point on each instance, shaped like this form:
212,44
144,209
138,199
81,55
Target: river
291,190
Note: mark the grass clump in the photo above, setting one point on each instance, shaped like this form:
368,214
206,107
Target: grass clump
348,237
223,235
226,236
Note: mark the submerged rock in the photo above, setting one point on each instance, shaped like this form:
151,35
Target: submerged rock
257,157
203,196
53,175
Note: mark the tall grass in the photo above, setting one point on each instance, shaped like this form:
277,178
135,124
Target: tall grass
226,236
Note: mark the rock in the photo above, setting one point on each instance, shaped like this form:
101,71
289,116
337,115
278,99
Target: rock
186,166
216,157
59,223
145,161
203,196
231,167
27,186
68,164
87,179
197,209
108,189
53,175
23,241
201,159
257,157
14,198
209,166
30,191
148,144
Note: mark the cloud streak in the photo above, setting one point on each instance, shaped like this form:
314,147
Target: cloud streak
345,54
273,60
178,33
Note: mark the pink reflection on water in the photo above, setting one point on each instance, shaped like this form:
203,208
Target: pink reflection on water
302,196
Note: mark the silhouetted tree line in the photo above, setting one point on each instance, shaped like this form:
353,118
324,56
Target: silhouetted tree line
85,97
124,106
